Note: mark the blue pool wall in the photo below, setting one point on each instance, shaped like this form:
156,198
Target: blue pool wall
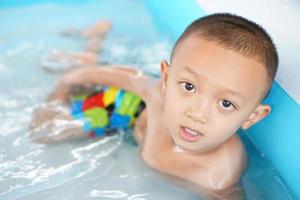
277,136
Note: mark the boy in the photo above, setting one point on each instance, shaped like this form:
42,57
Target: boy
221,68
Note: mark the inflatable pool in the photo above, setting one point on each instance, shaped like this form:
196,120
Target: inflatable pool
143,33
278,136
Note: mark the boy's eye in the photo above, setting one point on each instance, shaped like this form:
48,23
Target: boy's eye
227,105
187,86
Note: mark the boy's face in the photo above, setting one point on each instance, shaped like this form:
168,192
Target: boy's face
210,92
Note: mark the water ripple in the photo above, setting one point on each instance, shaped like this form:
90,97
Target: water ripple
116,194
42,177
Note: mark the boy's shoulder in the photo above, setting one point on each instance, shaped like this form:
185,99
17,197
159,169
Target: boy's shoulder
230,163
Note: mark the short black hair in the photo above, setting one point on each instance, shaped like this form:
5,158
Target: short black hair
236,33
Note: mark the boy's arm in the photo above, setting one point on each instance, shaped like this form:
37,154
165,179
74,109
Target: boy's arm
126,78
235,192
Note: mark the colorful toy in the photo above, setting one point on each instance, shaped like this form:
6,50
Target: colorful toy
104,109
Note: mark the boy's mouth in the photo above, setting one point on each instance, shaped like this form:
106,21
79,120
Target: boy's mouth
190,135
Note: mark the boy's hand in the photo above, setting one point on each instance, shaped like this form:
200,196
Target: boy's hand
53,123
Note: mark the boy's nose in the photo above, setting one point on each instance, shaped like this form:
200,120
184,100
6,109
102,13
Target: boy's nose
197,117
199,112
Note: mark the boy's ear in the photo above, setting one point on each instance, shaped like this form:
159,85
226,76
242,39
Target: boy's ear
164,71
260,112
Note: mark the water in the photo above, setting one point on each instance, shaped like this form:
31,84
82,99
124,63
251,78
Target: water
87,169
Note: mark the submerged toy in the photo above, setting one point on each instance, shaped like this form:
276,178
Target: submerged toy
104,109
